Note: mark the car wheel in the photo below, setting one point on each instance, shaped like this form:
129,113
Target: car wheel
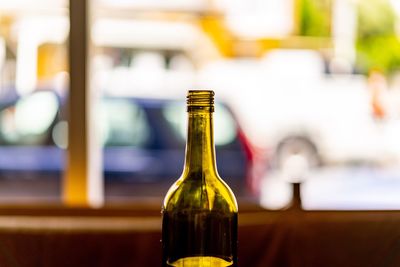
294,149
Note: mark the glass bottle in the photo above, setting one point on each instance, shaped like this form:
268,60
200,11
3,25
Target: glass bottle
200,211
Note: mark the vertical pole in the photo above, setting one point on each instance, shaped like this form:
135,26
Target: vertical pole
344,32
82,184
95,170
296,198
297,5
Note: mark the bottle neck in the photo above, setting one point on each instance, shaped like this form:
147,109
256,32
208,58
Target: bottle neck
200,150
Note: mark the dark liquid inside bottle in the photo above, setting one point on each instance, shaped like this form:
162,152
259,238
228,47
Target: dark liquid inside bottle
199,238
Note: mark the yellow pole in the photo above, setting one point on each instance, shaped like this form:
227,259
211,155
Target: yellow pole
83,183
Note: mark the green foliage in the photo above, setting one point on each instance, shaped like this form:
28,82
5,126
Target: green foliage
378,47
315,17
379,52
375,18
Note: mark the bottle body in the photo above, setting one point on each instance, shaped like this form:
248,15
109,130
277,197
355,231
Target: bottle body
199,238
200,211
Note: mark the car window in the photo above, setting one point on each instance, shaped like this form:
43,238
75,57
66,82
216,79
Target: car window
123,123
29,120
225,130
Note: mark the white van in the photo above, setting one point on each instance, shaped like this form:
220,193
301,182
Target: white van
290,105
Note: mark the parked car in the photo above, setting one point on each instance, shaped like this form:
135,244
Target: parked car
143,139
297,110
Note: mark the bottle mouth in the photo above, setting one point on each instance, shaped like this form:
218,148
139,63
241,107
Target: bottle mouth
200,100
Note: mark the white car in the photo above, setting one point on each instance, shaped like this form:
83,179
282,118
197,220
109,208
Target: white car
294,108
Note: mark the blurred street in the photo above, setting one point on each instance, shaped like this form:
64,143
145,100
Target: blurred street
294,79
338,188
333,188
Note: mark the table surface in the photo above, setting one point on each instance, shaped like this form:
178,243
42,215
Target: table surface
130,236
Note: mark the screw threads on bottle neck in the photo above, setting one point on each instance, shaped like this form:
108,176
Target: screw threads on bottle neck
200,100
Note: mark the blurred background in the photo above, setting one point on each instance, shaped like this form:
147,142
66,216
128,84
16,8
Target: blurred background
308,91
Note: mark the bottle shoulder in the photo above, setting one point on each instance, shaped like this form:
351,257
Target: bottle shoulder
209,193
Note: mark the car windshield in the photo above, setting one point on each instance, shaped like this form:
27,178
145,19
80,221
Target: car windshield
27,122
123,123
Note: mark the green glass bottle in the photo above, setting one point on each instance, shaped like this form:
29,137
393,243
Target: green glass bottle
200,211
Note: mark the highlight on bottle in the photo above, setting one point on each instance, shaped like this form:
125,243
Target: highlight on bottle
200,100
